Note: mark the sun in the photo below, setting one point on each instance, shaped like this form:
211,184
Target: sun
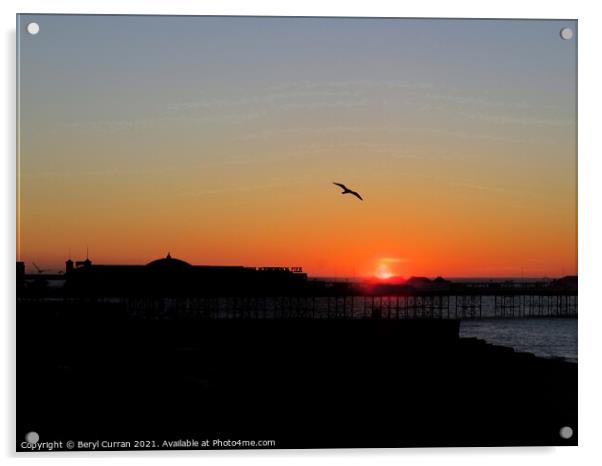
383,272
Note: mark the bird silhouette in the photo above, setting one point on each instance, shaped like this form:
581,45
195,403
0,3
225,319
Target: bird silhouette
346,190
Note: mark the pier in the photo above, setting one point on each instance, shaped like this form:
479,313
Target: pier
428,306
171,289
458,307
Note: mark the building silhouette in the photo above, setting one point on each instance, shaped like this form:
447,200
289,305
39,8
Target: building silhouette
169,276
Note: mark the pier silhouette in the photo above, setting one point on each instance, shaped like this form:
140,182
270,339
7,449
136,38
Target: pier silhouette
172,288
117,352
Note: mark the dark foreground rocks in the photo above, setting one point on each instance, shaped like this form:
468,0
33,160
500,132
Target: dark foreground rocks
302,383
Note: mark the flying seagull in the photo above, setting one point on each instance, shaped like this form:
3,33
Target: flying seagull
346,190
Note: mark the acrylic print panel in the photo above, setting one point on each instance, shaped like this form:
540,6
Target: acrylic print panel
263,232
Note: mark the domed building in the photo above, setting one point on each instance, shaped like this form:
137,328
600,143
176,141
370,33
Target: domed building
169,264
169,276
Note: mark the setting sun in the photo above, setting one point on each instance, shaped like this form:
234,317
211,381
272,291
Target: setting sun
383,272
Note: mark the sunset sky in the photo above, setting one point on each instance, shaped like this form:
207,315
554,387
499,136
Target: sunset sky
218,139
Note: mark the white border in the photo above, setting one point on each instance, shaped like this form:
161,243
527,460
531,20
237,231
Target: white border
590,231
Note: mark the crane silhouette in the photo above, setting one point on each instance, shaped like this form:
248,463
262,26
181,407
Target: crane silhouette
38,269
41,271
346,190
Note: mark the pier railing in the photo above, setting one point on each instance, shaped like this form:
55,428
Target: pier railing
433,306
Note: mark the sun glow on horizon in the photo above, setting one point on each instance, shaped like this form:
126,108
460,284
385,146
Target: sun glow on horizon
383,272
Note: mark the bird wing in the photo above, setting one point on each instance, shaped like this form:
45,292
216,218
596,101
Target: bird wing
341,185
356,195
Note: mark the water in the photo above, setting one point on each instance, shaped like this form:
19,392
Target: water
549,338
544,337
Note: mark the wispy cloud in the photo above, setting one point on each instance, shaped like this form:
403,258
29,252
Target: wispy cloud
157,121
279,100
394,260
475,100
354,84
516,120
238,188
233,189
508,195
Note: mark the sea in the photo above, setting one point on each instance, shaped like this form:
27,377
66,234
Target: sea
544,337
548,338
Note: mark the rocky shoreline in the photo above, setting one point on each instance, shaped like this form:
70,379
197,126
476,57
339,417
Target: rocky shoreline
301,383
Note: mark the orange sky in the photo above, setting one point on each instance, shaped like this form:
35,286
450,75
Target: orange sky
465,170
